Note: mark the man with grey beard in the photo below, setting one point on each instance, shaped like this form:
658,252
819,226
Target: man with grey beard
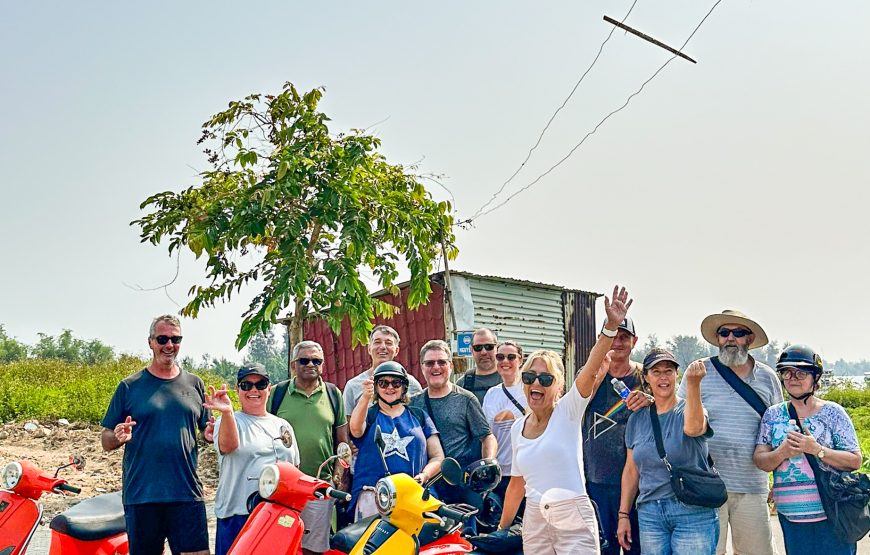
735,425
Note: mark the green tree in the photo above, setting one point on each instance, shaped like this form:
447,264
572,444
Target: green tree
639,352
72,349
688,348
312,207
271,353
11,349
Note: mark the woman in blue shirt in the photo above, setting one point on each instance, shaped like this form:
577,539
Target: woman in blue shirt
411,440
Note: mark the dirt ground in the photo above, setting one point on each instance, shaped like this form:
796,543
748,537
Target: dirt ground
51,445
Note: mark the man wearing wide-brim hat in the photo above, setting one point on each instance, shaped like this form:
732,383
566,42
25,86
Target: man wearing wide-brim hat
735,424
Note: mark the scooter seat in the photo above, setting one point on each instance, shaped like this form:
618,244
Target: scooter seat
92,519
345,539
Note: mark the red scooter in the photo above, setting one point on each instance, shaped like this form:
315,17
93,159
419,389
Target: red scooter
93,527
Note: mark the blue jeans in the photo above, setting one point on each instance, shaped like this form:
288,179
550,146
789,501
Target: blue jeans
669,527
606,496
227,531
813,538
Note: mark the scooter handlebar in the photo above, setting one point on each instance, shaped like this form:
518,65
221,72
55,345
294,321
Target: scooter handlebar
69,488
338,494
447,512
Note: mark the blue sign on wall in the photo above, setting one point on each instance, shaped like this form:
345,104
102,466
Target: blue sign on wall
463,343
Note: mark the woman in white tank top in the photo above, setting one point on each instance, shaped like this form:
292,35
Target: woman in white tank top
547,465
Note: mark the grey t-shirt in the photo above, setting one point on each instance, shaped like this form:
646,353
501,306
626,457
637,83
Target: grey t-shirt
478,385
353,390
681,450
736,425
160,461
460,421
257,448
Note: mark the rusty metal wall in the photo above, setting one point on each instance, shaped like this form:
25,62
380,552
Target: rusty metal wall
415,327
580,332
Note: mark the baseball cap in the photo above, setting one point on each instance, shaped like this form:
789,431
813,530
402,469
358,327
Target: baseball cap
627,325
658,355
255,369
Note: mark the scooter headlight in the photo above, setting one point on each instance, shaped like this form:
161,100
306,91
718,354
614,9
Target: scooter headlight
11,475
385,496
269,478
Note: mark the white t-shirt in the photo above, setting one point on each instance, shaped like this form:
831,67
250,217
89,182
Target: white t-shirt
255,451
552,464
501,413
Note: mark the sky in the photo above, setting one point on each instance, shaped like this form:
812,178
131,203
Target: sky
737,182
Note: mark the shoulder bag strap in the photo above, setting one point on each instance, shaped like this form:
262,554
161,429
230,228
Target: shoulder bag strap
657,434
742,388
469,381
278,396
512,399
432,416
814,463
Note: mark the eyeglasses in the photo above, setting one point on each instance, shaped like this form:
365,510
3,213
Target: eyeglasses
385,383
738,332
164,339
482,346
511,357
260,385
306,361
793,374
432,363
544,378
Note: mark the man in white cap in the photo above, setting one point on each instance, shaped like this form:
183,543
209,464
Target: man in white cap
734,415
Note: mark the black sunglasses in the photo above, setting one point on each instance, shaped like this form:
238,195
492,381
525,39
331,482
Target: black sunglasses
306,361
511,357
739,332
384,383
545,378
482,346
164,339
260,385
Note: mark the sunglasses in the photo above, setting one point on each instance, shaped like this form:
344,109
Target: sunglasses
306,361
738,333
432,363
511,357
164,339
545,378
793,374
395,384
260,385
482,346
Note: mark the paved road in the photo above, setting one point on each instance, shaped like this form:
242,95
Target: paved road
42,539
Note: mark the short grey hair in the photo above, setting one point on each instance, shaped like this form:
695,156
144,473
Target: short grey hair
168,318
383,328
481,331
305,345
436,344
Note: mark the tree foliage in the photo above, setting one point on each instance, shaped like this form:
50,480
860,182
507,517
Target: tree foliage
10,348
311,208
271,352
69,348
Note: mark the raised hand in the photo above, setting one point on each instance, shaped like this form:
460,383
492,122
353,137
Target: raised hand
218,399
696,371
617,308
368,390
124,430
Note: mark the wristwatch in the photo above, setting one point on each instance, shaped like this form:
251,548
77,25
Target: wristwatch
821,454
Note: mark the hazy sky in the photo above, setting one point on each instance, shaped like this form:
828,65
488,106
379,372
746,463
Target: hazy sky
740,182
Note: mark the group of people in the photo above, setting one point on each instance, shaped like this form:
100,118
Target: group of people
581,463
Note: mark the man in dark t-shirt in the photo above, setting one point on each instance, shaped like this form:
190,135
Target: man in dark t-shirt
154,414
485,373
604,436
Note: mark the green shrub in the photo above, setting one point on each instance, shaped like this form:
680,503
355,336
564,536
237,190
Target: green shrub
50,389
849,397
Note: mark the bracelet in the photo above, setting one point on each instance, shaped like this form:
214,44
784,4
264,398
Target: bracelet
623,515
609,333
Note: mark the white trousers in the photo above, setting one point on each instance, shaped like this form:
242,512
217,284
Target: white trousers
561,528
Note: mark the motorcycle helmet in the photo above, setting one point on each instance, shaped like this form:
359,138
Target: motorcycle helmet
393,369
483,475
802,358
490,513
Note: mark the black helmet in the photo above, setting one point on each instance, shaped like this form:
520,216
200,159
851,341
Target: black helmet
802,357
483,475
390,368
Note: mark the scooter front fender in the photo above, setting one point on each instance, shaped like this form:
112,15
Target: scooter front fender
451,544
19,517
61,544
272,529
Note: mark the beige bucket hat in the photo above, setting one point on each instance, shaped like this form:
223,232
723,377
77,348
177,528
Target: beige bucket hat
713,322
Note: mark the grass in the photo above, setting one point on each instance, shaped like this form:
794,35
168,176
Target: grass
46,390
857,403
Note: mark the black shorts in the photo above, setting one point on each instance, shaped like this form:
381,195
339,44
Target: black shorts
182,523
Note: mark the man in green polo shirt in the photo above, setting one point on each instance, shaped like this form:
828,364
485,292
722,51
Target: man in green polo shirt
307,407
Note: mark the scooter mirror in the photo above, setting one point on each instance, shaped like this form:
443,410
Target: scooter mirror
343,451
286,437
379,439
451,472
77,461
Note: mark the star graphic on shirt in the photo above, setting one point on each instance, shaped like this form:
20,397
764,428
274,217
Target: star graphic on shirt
396,445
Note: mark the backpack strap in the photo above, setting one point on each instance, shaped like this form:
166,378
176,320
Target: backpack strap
278,395
742,388
512,399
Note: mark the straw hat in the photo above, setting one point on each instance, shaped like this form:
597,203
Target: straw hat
713,322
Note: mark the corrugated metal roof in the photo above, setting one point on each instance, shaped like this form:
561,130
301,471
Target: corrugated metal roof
439,277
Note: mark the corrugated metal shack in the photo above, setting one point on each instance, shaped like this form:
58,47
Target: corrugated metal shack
536,315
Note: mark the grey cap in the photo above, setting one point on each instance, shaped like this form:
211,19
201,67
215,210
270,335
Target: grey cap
627,325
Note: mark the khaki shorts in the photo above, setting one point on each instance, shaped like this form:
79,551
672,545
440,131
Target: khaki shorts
564,527
317,518
748,516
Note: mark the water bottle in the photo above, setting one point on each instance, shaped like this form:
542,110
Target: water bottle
793,427
620,388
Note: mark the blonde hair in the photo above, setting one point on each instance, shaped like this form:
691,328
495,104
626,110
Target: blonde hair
554,365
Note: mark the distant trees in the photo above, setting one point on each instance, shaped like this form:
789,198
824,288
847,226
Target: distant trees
64,347
11,349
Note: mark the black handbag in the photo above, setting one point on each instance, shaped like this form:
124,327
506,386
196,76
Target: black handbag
692,486
844,495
